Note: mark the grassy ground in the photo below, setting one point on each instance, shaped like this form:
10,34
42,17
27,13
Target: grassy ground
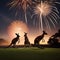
29,54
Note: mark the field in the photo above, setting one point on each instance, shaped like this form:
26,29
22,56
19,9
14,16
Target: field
29,53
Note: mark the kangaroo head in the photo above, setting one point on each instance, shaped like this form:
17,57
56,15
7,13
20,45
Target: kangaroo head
25,34
17,34
44,33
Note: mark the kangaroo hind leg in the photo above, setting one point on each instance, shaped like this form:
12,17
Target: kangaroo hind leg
10,44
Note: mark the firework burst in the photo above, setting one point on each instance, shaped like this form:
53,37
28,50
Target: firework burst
47,12
24,4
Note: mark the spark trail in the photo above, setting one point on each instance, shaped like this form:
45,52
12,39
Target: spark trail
48,11
24,4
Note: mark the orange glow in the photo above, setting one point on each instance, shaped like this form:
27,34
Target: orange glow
17,27
20,27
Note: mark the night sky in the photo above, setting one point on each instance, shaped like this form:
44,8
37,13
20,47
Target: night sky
8,16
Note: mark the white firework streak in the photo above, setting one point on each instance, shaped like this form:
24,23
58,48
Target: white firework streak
47,10
24,4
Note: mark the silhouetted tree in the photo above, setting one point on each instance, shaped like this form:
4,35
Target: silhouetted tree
53,40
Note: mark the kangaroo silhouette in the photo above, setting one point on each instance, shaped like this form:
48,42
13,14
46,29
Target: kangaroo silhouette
26,42
14,41
39,38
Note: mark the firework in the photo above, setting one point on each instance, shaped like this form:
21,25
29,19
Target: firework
47,12
24,4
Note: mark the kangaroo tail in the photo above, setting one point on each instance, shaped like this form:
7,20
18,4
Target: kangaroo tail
9,45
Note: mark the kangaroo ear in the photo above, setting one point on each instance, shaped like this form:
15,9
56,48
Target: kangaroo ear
16,33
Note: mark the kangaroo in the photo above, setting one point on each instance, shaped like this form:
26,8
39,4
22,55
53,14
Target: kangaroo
26,42
39,38
14,41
